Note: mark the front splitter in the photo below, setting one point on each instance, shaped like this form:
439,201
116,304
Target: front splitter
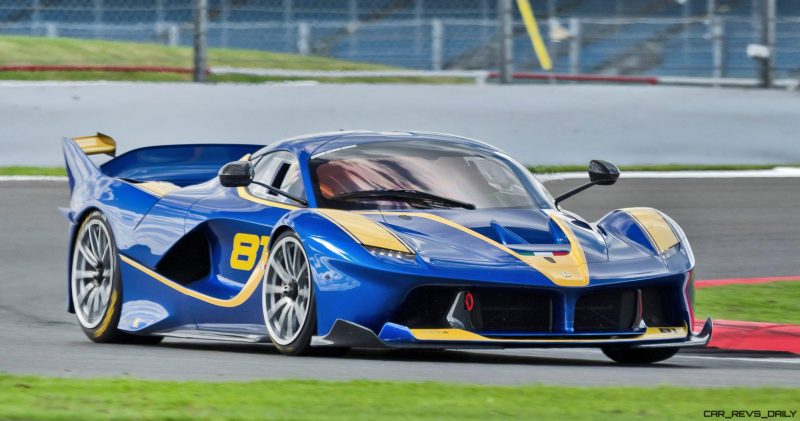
351,335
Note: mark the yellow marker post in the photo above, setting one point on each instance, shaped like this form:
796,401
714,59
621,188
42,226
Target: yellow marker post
539,48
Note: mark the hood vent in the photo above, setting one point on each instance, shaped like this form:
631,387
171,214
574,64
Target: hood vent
515,242
507,236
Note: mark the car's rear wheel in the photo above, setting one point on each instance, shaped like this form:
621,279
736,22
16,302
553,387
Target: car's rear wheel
288,296
95,283
640,355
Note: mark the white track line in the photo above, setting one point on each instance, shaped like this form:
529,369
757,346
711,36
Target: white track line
66,83
777,172
586,352
777,360
765,359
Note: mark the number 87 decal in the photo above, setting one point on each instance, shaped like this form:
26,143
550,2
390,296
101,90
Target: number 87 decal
245,250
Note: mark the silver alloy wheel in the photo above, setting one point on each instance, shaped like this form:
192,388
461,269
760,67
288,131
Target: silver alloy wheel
287,291
93,266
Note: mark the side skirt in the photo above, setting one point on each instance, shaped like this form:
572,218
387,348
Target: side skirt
214,336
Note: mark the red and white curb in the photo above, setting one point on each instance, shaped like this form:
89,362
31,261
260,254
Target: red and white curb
735,335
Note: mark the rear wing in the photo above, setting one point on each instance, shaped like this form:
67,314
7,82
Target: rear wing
181,165
76,154
97,144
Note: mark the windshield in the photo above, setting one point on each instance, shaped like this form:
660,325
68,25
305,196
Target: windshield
420,174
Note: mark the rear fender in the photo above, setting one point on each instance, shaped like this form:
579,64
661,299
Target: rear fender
123,204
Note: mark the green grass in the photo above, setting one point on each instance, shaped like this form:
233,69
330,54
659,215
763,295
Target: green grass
37,50
35,398
53,171
775,302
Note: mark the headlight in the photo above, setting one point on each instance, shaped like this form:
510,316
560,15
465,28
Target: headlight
390,254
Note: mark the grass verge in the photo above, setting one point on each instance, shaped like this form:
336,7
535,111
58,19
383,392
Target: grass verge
38,50
35,398
67,51
47,171
774,302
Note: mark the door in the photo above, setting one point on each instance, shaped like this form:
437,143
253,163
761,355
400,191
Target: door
237,223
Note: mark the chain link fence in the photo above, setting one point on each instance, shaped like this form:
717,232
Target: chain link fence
616,37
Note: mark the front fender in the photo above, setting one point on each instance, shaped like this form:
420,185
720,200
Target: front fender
350,283
647,230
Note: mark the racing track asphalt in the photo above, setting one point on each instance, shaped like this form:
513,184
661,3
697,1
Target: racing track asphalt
537,124
738,227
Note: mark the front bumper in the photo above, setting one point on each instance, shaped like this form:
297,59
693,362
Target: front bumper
348,334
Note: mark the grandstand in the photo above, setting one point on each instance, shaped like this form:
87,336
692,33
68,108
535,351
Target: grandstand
628,37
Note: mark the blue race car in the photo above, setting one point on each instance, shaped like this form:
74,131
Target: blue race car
364,239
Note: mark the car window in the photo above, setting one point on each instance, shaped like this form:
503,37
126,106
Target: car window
446,170
280,170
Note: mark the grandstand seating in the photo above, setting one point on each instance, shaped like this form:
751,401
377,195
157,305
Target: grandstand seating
399,32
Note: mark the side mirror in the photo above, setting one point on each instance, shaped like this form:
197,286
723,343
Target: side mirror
236,174
603,173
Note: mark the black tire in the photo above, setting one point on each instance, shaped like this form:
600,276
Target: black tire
640,355
105,331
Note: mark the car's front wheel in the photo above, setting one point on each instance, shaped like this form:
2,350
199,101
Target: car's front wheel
640,355
288,296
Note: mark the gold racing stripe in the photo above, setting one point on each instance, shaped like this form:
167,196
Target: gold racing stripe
249,287
655,226
364,230
459,335
157,188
